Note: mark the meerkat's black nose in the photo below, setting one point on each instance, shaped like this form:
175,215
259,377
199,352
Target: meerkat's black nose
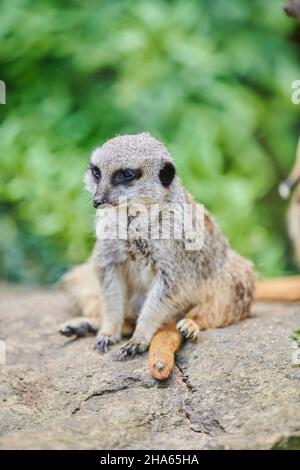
99,201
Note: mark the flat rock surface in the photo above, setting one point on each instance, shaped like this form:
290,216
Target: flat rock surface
237,388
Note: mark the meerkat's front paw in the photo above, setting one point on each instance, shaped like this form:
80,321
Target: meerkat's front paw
130,349
103,342
188,328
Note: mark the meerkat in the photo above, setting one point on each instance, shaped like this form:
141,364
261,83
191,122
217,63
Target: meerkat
285,189
286,289
292,8
142,283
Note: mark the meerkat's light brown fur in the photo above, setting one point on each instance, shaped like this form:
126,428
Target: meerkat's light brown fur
294,209
152,282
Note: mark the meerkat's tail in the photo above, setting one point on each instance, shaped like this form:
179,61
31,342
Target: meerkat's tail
282,289
163,347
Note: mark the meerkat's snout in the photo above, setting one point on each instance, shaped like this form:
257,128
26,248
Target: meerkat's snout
287,187
292,8
293,180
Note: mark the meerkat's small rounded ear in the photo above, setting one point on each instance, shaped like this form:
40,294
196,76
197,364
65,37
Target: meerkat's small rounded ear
167,173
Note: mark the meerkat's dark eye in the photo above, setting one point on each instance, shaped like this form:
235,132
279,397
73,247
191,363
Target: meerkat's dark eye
129,175
125,176
96,172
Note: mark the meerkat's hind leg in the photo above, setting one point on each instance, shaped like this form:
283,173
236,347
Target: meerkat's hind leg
82,286
194,321
229,303
188,328
80,326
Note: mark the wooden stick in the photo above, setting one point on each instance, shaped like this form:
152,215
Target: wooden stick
162,351
281,289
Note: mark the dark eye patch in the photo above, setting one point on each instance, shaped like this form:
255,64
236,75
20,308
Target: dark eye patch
95,171
125,176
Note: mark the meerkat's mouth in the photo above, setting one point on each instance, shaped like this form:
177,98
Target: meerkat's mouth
107,205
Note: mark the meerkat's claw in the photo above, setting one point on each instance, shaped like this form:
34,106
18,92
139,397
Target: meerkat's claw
130,350
76,327
188,328
103,342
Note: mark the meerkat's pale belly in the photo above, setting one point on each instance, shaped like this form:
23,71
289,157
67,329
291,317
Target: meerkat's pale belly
139,277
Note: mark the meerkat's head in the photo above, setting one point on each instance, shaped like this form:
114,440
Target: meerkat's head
292,8
132,168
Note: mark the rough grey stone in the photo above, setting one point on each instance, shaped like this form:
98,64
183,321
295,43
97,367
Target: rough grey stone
238,388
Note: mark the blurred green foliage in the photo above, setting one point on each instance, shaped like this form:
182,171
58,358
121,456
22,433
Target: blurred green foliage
211,78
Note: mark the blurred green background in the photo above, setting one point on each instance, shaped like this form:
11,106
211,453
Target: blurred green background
211,78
